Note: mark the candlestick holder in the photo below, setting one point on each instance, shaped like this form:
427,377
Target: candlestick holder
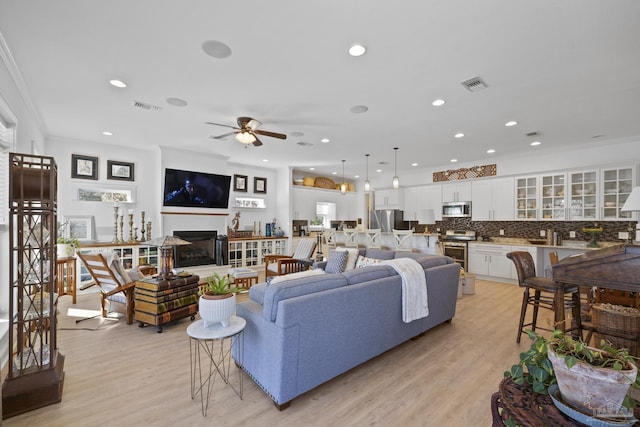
148,230
115,225
142,227
135,234
131,228
121,228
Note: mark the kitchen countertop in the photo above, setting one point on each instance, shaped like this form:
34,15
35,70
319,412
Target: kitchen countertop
566,244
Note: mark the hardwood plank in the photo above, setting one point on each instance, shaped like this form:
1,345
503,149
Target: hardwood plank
126,375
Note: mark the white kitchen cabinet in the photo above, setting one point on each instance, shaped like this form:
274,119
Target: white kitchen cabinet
527,198
456,192
583,195
616,185
388,199
490,260
493,200
553,197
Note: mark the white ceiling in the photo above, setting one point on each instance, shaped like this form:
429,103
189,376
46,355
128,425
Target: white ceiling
568,69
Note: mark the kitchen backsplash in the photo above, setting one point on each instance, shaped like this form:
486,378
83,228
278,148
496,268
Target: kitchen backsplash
531,229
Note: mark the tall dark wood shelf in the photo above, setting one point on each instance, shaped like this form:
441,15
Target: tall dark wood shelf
35,373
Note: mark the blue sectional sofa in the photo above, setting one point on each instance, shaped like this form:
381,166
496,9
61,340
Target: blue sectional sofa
303,332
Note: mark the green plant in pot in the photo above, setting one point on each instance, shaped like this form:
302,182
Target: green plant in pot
588,378
66,246
217,301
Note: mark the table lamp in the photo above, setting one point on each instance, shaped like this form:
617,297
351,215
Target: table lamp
632,205
426,217
166,245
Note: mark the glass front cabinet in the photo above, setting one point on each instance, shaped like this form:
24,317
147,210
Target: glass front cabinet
616,187
527,198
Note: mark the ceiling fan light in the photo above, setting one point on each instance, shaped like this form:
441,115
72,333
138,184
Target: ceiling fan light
245,137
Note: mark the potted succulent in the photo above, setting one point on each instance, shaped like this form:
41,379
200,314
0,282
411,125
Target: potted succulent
587,377
66,246
217,301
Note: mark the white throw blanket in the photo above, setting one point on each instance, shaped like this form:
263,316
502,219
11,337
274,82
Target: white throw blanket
415,304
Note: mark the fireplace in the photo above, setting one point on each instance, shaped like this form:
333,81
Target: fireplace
201,251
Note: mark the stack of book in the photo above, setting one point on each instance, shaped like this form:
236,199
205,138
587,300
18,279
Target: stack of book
158,302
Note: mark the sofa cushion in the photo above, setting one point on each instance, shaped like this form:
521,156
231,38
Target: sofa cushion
337,261
364,261
294,288
372,272
382,254
256,293
428,261
293,276
353,257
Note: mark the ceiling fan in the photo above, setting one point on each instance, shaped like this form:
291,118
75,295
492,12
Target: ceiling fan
247,131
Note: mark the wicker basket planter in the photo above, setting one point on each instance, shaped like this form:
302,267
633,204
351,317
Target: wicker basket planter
618,324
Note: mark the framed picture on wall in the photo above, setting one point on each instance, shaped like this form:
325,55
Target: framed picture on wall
240,183
120,170
84,167
260,185
79,227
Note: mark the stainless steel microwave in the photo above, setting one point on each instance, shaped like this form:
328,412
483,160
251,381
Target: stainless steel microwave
456,209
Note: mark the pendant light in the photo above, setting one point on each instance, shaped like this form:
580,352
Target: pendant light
367,184
396,180
343,187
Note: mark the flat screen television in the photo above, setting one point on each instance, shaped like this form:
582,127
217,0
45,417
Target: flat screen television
196,189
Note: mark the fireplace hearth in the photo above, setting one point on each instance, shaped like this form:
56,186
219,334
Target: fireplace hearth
201,251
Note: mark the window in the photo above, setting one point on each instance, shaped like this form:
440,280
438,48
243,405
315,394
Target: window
7,144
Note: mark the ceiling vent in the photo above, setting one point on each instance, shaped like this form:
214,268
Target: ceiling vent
147,107
475,84
304,144
534,133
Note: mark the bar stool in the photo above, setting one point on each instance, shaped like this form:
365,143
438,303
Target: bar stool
544,291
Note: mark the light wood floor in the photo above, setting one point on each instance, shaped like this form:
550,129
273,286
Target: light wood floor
117,375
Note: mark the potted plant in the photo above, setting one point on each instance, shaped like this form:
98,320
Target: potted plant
217,301
66,246
587,377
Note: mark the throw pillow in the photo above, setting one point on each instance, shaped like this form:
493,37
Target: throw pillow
292,276
363,261
353,257
337,261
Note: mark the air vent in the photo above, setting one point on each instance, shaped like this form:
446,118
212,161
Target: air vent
304,144
147,107
534,133
474,85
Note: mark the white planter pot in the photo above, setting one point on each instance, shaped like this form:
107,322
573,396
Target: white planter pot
64,250
218,310
589,387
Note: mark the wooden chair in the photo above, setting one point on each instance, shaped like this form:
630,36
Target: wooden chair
329,237
586,294
544,294
403,240
350,237
277,265
113,288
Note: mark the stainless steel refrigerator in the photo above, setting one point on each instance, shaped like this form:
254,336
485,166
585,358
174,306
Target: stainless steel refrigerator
386,220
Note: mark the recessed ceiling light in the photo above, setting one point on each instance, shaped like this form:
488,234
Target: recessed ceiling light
334,173
357,109
453,160
511,123
216,49
458,135
414,164
378,170
535,143
356,176
312,169
117,83
107,133
491,151
357,50
438,102
265,160
177,102
325,140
